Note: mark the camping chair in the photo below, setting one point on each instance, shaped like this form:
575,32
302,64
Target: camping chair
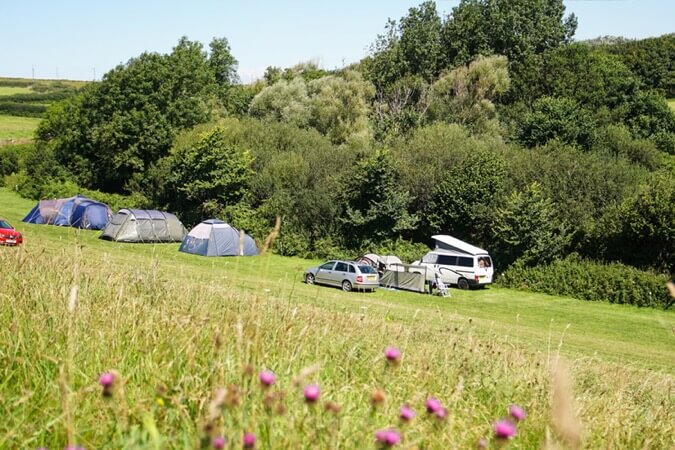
442,287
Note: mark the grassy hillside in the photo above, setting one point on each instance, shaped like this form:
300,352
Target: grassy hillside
23,102
671,103
176,327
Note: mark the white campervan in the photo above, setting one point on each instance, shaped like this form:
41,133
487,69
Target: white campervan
458,263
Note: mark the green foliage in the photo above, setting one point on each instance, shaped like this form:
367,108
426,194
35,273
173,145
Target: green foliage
618,141
648,115
513,28
222,62
285,101
401,107
463,201
420,42
205,173
582,185
111,133
652,60
408,251
465,94
559,119
9,161
641,229
336,106
528,229
590,77
588,280
339,107
22,109
376,205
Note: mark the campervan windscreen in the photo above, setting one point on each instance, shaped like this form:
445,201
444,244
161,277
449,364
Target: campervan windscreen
429,258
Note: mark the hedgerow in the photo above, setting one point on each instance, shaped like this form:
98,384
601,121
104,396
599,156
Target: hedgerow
588,280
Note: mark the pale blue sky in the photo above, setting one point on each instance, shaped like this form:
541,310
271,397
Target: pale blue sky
73,39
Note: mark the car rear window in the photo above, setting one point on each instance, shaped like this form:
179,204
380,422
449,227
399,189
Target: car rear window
367,269
4,224
464,261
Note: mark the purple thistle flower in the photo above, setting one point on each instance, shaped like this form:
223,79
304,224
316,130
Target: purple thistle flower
267,378
433,405
312,393
106,380
504,429
388,437
482,444
406,413
249,440
441,413
517,412
218,442
392,354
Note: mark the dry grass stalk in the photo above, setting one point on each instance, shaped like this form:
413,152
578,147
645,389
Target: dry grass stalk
565,422
272,236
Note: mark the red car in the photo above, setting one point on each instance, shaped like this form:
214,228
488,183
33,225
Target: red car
8,235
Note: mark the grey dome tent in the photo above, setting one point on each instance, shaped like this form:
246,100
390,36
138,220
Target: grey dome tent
216,238
144,225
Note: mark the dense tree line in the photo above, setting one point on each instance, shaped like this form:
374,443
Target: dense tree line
489,124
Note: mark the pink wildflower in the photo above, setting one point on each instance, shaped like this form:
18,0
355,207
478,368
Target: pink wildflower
219,442
504,429
406,413
267,378
441,413
388,437
249,440
392,354
106,380
312,393
433,405
517,412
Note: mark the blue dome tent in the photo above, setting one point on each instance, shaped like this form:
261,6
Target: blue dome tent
75,211
216,238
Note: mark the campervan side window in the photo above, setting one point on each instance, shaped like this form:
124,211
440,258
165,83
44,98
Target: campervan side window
464,261
447,260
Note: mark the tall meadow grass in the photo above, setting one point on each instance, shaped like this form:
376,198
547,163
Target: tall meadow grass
186,358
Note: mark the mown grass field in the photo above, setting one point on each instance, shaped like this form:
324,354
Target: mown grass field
23,102
14,127
177,327
671,103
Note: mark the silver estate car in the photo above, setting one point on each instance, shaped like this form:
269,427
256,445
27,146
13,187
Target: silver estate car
347,275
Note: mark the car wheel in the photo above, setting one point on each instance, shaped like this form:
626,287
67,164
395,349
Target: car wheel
462,283
346,286
309,278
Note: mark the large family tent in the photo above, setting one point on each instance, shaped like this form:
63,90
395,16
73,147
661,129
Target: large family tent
216,238
141,225
78,211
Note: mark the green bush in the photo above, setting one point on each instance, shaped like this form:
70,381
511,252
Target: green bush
588,280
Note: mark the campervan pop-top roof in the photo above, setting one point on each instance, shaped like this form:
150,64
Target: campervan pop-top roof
447,242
